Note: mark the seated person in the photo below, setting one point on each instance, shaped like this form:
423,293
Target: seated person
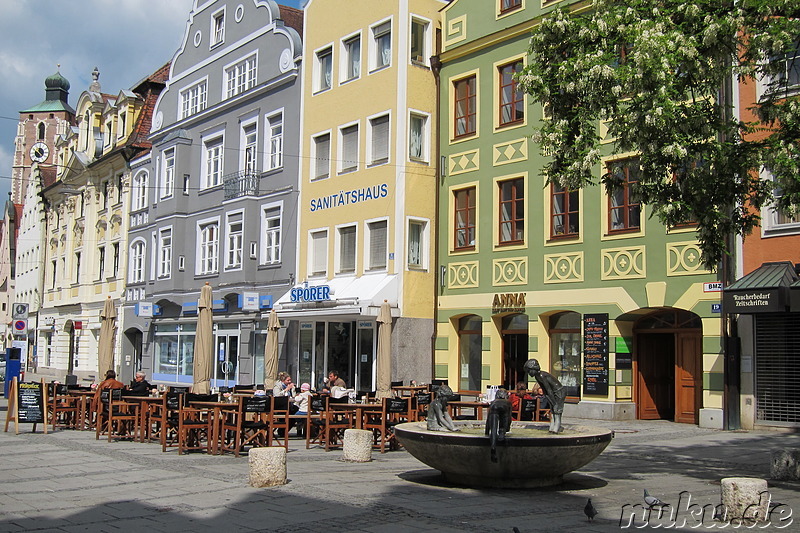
109,383
302,402
139,386
284,385
333,380
517,396
539,395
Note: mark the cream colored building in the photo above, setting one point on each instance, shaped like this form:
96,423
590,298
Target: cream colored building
367,190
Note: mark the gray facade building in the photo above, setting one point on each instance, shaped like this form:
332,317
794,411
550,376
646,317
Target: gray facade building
216,199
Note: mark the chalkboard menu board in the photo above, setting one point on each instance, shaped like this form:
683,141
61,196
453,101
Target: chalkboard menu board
30,403
595,354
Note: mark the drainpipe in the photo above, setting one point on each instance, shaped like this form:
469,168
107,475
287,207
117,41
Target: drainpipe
436,66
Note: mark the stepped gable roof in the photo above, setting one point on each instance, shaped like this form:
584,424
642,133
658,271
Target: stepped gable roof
292,18
149,88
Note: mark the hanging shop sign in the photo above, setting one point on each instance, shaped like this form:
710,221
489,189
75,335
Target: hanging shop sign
305,293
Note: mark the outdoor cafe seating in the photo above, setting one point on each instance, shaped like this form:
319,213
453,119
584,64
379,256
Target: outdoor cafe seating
63,408
393,411
246,425
195,430
115,417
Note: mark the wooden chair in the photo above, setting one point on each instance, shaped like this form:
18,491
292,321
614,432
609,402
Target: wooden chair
542,413
116,417
62,408
248,424
194,423
240,388
526,410
329,426
164,420
393,411
420,403
279,421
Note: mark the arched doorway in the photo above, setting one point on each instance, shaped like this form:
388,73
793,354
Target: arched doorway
514,331
134,339
668,366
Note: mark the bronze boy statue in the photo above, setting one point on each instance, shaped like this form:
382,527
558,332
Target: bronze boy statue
553,389
438,417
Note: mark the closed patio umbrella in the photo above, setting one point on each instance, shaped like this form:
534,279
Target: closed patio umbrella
203,343
271,350
105,348
384,357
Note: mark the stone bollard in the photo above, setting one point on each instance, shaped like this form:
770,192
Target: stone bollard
745,499
267,466
785,465
357,446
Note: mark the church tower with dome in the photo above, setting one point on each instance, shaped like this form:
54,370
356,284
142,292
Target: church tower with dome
38,128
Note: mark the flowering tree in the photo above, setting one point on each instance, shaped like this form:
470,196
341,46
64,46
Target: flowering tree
657,76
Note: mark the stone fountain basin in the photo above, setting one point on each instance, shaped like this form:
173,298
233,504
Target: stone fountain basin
532,458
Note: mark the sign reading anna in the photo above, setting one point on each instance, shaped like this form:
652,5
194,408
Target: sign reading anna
509,302
320,293
350,197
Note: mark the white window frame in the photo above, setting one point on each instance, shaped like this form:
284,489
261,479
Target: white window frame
771,225
167,173
313,257
234,240
316,160
426,38
240,76
350,67
323,73
271,234
339,258
217,31
273,145
425,135
248,148
348,163
139,190
424,256
372,157
217,142
193,99
165,252
377,32
109,136
136,258
368,238
207,261
122,119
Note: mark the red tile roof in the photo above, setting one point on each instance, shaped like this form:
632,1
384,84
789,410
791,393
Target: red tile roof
292,18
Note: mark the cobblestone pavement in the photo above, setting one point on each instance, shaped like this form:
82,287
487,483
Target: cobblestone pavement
67,481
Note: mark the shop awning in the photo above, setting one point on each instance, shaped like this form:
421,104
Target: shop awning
361,295
764,290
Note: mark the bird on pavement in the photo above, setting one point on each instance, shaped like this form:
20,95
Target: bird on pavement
652,501
589,510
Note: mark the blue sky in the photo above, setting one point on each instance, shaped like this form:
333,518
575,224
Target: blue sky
38,35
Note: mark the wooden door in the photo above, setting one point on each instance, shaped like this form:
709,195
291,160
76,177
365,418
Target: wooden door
687,374
655,376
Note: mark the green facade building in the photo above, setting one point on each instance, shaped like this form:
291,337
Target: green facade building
610,301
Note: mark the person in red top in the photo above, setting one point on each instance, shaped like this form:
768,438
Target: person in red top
518,395
109,383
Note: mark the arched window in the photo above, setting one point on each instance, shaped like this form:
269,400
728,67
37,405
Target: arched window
136,262
40,131
565,351
470,341
139,191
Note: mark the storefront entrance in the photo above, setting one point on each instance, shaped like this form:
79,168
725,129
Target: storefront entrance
515,349
348,347
667,366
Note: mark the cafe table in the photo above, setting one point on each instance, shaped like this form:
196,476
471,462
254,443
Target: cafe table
217,409
84,408
360,410
455,408
144,411
409,390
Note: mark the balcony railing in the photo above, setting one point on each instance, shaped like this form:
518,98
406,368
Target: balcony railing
242,183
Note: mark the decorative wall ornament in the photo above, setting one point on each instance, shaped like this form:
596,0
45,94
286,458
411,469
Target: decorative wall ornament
510,271
462,275
563,268
683,259
286,62
510,152
198,38
463,162
623,263
456,30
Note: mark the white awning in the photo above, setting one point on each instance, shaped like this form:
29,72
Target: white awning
351,295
